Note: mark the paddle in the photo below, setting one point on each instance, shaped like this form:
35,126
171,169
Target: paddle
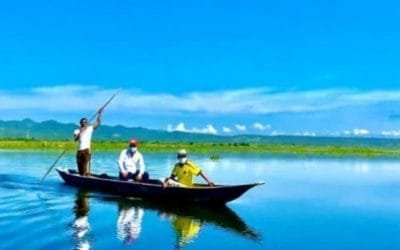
65,150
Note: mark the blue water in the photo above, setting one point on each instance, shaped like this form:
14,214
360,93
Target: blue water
306,203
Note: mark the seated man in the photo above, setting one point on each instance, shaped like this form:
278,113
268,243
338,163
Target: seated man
131,164
184,171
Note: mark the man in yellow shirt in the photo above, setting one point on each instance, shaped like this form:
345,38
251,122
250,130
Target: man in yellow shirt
184,171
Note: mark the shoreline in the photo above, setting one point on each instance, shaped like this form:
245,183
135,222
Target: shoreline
214,149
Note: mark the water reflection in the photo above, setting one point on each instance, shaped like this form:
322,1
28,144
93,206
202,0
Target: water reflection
186,228
187,221
81,222
129,223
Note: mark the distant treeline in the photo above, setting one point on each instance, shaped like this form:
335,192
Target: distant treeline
214,149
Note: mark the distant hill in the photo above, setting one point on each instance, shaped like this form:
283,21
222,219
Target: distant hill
53,130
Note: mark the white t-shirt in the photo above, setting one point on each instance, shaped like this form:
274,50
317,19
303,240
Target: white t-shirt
129,223
130,163
85,137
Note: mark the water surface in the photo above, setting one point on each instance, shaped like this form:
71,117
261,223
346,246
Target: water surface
306,203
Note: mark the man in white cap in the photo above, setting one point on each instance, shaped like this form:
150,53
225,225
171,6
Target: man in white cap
184,171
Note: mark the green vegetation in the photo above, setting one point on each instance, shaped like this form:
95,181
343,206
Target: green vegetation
215,157
214,150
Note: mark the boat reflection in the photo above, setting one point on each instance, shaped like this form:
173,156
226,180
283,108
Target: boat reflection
80,224
187,221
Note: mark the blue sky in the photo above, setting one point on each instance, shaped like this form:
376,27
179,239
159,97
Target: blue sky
225,67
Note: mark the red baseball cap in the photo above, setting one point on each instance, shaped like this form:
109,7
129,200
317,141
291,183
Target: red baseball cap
133,143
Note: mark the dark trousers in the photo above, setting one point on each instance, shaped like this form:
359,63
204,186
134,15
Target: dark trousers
83,161
145,176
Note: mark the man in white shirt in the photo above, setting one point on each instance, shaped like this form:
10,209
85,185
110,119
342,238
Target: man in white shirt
83,136
131,164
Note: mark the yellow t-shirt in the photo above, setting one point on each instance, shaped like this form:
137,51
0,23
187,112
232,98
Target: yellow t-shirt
186,172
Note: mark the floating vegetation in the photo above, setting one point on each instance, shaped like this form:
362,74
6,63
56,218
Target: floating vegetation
214,157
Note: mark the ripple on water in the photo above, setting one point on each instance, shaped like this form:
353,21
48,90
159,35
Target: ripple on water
28,220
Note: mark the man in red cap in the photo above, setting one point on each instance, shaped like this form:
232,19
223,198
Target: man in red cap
131,163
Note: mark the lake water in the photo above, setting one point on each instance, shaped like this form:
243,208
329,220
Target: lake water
306,203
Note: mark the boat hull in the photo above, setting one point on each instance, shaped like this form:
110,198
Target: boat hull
199,194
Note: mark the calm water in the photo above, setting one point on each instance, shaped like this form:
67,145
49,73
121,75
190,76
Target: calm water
306,203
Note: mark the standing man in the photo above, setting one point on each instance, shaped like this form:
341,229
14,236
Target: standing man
83,136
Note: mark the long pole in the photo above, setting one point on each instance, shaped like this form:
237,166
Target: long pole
105,104
65,150
52,166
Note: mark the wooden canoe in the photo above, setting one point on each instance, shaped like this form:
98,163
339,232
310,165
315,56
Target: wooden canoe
198,194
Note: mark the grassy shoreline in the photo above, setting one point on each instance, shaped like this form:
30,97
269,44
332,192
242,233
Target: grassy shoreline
213,148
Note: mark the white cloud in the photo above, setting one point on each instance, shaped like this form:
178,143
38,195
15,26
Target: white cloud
180,127
335,134
58,98
239,101
306,133
356,132
391,133
276,133
70,100
226,130
211,129
261,127
66,89
240,127
170,128
208,129
347,132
